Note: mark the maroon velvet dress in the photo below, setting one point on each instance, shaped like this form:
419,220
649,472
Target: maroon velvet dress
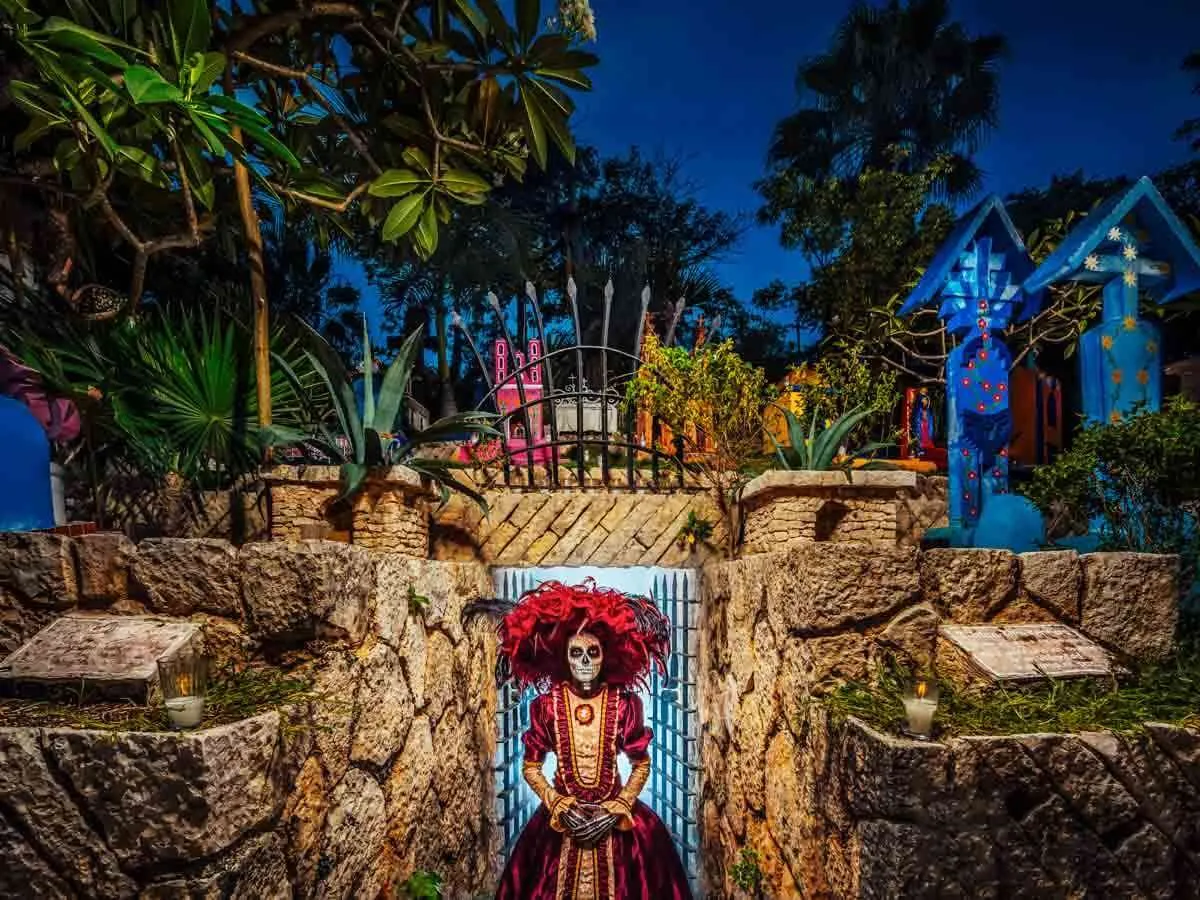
637,860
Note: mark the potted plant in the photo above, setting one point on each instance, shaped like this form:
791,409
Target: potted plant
379,477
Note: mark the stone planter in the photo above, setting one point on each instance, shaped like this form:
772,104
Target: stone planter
391,513
781,509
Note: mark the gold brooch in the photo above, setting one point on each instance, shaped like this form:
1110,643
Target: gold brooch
584,714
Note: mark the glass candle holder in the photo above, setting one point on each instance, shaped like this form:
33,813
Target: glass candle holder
920,703
184,682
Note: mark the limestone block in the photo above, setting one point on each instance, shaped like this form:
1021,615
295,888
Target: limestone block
257,870
354,831
1052,579
336,685
24,873
912,635
296,592
304,819
410,781
824,588
969,586
105,560
385,708
180,576
114,656
44,811
1131,602
171,798
38,569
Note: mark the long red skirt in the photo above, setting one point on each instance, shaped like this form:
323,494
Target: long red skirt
644,861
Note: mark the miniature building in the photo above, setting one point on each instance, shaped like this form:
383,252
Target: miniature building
520,403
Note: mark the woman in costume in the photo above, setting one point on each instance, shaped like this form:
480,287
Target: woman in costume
587,649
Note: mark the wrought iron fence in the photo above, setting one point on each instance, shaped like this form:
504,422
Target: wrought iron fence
549,431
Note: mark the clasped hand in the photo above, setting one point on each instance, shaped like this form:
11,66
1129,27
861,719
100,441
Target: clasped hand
588,824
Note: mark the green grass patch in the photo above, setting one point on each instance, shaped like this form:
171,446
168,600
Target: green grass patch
1167,693
232,696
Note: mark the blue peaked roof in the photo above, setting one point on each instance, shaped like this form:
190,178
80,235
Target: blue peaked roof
1166,240
988,219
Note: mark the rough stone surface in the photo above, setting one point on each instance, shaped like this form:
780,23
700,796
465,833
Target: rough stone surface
1131,602
299,591
180,576
969,586
1053,579
38,570
355,827
167,798
46,815
105,560
841,810
386,708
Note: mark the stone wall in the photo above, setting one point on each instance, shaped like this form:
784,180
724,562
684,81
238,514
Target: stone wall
779,629
391,514
385,769
852,812
577,527
883,508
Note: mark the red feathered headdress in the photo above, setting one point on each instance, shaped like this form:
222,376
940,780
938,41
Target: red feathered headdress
535,632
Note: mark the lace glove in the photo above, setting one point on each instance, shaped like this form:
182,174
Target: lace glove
555,802
622,805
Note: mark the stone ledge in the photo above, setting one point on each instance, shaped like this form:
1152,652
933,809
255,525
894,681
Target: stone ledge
820,483
391,476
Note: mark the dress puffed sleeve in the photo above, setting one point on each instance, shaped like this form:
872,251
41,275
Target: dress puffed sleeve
635,736
539,739
634,743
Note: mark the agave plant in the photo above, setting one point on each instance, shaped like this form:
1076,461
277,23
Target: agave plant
819,449
374,438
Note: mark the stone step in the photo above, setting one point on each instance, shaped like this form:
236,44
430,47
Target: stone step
979,656
93,657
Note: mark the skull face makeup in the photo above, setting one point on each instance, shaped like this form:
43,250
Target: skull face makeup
585,656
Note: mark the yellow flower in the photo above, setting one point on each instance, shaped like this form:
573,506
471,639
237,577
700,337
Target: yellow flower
1129,322
1116,376
1106,342
1130,278
1143,376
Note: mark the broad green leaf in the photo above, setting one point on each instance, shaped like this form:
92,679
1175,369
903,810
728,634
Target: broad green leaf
549,117
38,126
572,77
321,189
191,27
403,216
199,175
498,24
144,165
238,111
145,85
36,102
462,181
81,41
535,127
417,158
98,131
529,13
215,145
55,24
204,69
271,144
473,16
425,236
397,183
368,380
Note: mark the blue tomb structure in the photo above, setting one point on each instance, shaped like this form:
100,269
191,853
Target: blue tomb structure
1135,247
976,276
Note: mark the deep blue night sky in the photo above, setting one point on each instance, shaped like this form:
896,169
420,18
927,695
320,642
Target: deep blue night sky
1088,84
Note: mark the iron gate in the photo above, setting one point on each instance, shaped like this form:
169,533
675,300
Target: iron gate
671,707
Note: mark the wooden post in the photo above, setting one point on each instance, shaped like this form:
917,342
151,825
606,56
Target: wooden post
258,280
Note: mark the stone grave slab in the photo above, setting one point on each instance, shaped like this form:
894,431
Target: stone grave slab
97,657
982,655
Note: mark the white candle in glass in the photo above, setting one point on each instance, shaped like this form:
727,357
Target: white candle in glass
920,703
185,712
